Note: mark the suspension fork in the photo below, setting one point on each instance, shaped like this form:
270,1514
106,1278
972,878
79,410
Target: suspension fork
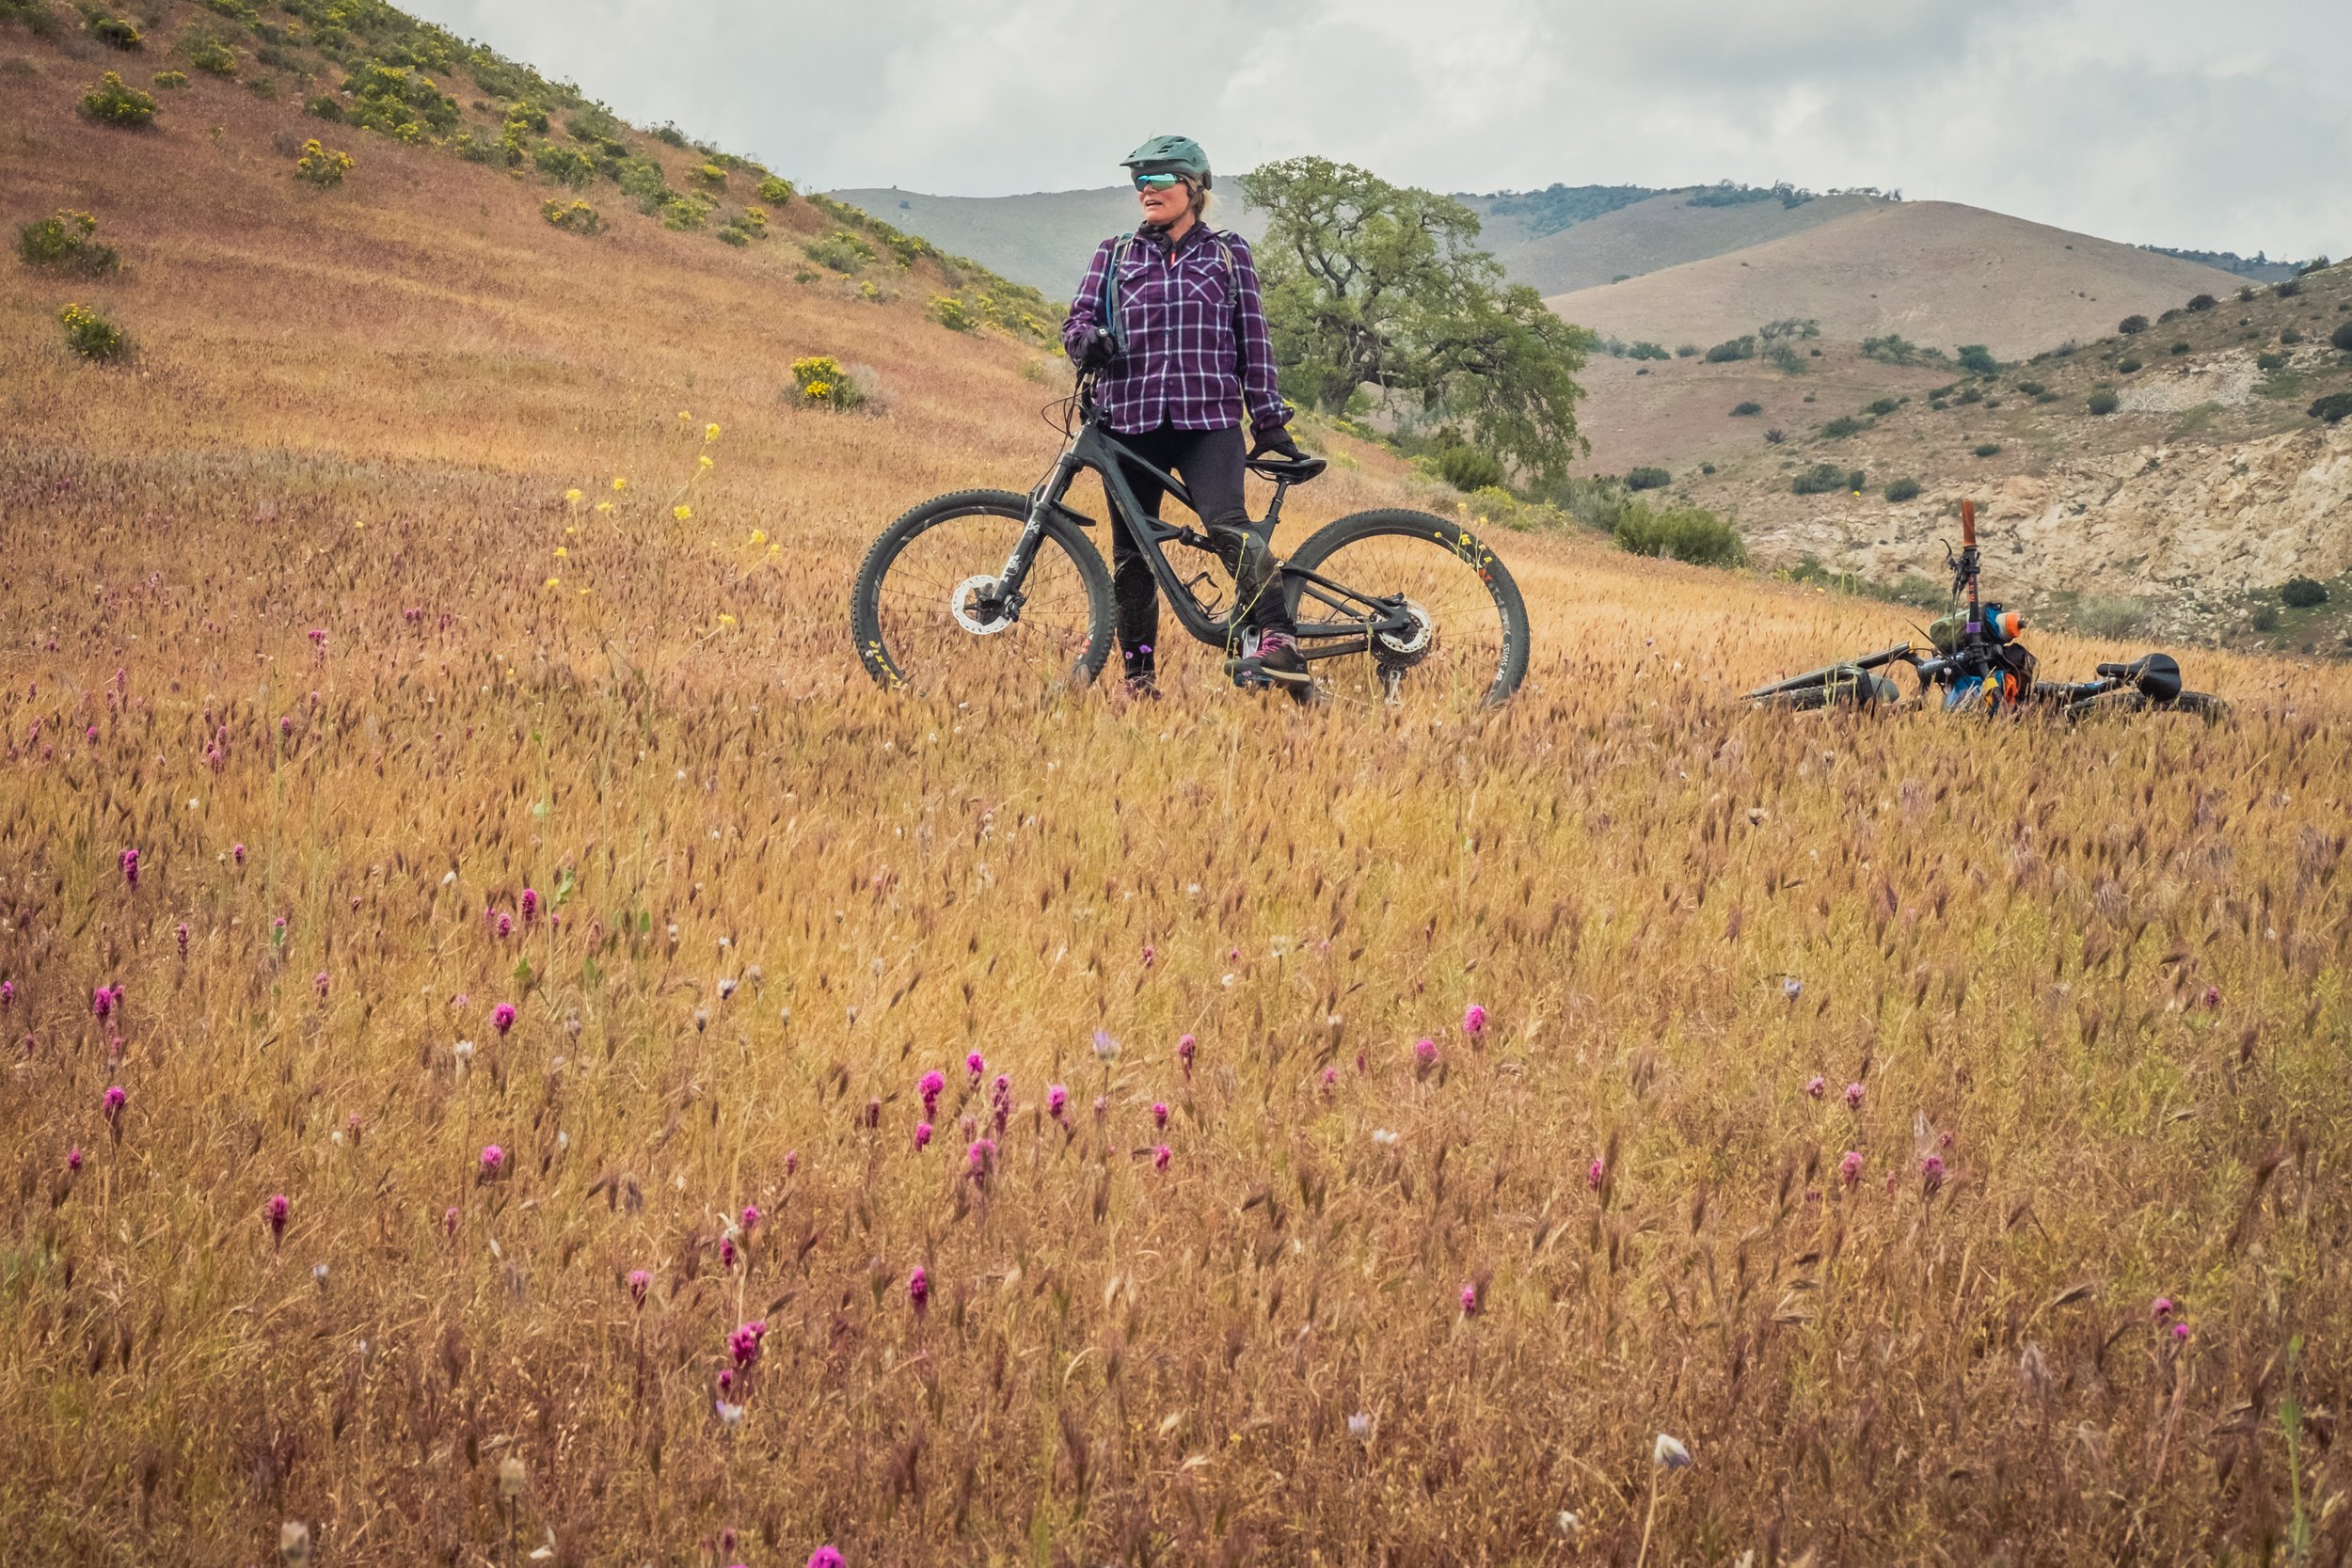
1042,500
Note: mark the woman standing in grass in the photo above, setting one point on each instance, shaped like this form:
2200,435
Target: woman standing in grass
1172,317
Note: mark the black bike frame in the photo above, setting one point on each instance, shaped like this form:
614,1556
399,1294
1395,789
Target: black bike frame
1098,449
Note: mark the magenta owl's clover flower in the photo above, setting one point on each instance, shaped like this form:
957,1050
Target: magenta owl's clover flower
493,1159
1331,1079
7,988
791,1161
934,1083
743,1344
237,852
922,1135
979,1158
1850,1168
1854,1096
1931,1173
1817,1087
503,1017
873,1112
2212,997
275,1211
1160,1156
639,1283
1159,1112
1595,1174
1056,1100
1150,954
2180,1333
449,1221
751,1218
1425,1055
130,867
74,1159
1184,1049
1475,1020
530,906
319,983
114,1099
2161,1308
504,923
1470,1301
825,1557
101,1002
727,1253
179,935
918,1289
975,1065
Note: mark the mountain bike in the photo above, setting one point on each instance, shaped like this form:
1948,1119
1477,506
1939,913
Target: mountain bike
987,591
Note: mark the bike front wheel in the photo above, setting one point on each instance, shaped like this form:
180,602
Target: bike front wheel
932,613
1408,608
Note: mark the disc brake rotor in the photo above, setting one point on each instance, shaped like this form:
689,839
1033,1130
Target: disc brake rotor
1410,646
965,604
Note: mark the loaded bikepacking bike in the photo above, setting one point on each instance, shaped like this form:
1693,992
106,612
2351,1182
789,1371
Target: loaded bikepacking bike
986,589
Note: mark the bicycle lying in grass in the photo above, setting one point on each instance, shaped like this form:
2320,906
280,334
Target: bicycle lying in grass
1976,660
985,589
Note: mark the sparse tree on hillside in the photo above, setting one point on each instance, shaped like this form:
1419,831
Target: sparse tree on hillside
2131,325
1369,282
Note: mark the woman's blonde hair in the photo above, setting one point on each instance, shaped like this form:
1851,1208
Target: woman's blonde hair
1201,199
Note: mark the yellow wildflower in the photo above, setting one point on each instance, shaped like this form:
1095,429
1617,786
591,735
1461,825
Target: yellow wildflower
555,582
759,536
705,460
727,620
711,433
819,390
561,552
681,513
619,483
604,506
684,415
572,497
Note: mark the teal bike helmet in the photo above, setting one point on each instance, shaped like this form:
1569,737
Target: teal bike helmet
1171,155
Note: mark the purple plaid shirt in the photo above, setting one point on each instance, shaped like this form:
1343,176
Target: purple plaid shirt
1193,360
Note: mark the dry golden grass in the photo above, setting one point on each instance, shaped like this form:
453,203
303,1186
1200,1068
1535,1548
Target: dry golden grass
2097,973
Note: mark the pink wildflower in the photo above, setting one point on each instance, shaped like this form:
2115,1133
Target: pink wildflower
934,1083
237,852
743,1344
825,1557
791,1161
504,923
639,1283
503,1017
7,988
873,1110
922,1135
101,1002
493,1157
130,867
277,1213
449,1220
1159,1112
530,906
975,1065
74,1158
2212,997
1470,1301
918,1289
751,1218
114,1099
1850,1168
1056,1100
1425,1055
1150,953
319,984
2180,1333
1160,1157
1931,1173
1596,1173
1817,1087
1854,1096
1474,1020
2161,1308
180,934
727,1253
1184,1049
980,1158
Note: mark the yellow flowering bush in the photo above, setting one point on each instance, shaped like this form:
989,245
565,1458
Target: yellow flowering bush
819,382
110,103
951,312
91,335
213,56
774,191
321,165
171,80
573,217
68,241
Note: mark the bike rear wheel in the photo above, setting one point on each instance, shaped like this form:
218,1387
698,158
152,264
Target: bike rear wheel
1464,642
928,616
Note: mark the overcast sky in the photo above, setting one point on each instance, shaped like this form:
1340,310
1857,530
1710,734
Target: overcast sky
2153,121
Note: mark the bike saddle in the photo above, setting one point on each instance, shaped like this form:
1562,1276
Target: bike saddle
1288,472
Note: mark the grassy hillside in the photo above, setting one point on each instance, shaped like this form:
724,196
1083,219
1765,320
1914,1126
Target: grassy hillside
1933,271
1043,240
1665,231
471,816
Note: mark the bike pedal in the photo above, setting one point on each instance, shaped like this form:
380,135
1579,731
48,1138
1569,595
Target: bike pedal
1247,673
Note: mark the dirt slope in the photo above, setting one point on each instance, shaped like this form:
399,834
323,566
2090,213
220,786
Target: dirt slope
1935,272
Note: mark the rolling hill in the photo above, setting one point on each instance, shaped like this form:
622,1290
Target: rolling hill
1933,272
1665,231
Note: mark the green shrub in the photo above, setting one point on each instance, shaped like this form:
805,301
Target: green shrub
562,166
1820,479
1708,468
1736,348
641,181
2102,404
112,103
2288,288
819,382
116,32
1896,349
2334,407
776,192
951,313
1883,406
1976,359
2268,361
841,250
670,134
1747,410
1971,394
171,81
321,165
2179,348
573,217
2202,302
1648,478
2031,388
1686,351
213,57
1466,468
1775,436
324,107
2290,336
1785,359
594,122
2265,617
2342,337
2302,594
67,241
1903,490
730,234
263,86
91,335
2127,366
711,175
1988,449
399,102
1685,533
2111,618
1646,350
1841,427
682,214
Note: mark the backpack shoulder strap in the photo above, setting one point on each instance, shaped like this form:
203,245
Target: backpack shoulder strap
1111,317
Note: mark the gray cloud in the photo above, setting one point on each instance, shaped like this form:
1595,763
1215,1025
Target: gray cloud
2168,122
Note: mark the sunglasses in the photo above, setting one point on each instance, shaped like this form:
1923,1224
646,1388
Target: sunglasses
1157,182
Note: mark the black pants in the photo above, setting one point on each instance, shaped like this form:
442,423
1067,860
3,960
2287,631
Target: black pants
1210,464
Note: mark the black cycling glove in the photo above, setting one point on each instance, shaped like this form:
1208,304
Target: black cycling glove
1278,440
1094,351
